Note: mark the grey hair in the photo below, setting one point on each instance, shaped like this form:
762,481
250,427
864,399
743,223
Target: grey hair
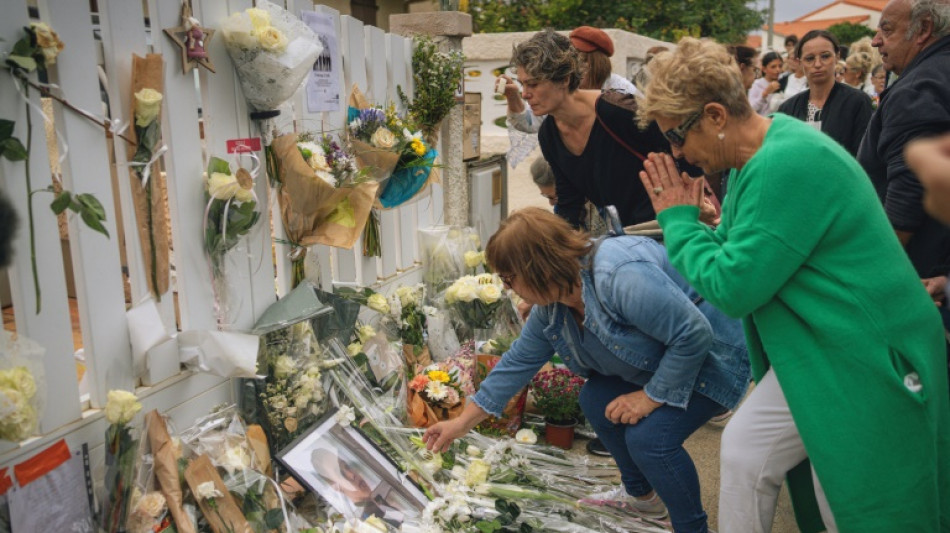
938,11
548,55
541,173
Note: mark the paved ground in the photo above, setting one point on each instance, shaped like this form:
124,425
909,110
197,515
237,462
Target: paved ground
703,445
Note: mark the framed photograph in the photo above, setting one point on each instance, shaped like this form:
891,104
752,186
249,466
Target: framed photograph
345,468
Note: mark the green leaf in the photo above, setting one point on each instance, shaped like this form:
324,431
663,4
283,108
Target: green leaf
273,519
94,222
24,47
26,63
92,203
6,128
13,149
218,165
61,202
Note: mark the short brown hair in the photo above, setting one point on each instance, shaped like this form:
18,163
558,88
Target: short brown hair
540,248
598,69
548,55
682,82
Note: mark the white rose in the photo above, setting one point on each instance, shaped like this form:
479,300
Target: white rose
489,293
473,451
148,103
284,366
473,259
19,378
407,296
239,31
236,458
377,302
354,349
365,333
526,436
207,490
466,293
48,41
152,504
477,473
273,40
121,406
451,294
383,138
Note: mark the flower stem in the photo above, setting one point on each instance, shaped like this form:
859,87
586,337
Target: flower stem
151,240
29,198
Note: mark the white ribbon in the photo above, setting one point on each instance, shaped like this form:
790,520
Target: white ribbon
64,148
148,166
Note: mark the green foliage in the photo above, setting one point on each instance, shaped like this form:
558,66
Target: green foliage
10,147
848,32
436,76
724,20
87,205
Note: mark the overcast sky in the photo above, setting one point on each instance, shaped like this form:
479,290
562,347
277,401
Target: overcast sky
786,10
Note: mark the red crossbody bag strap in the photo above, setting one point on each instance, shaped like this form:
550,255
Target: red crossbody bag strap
618,139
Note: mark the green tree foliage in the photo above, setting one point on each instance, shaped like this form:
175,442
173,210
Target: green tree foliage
848,32
727,21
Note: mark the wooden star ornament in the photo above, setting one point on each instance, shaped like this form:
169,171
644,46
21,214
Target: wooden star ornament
193,40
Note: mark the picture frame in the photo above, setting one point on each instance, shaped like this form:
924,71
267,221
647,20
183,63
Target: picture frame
347,470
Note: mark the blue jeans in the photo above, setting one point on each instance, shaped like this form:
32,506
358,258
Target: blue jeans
650,454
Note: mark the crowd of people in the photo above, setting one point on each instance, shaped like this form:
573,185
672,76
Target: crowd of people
805,245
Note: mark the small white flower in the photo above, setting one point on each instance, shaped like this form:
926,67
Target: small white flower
207,490
345,415
436,390
526,436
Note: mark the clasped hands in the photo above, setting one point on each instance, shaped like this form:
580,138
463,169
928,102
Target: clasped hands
668,187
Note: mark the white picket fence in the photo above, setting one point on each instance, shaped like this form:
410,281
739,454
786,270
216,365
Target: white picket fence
373,60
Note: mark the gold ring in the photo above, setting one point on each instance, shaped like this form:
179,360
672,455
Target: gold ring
657,190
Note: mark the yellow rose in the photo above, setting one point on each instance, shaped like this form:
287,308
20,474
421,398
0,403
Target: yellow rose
407,296
365,333
48,41
19,378
473,259
260,19
383,138
284,366
451,294
354,349
121,406
148,103
489,293
378,302
273,40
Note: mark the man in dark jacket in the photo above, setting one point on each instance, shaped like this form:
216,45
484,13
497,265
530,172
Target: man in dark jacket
914,40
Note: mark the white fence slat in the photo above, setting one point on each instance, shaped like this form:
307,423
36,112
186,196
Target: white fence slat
407,239
400,68
51,327
96,259
183,168
377,81
122,28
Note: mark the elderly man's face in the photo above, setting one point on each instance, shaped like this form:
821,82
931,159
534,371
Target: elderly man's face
897,51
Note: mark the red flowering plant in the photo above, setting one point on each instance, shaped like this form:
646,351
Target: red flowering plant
556,394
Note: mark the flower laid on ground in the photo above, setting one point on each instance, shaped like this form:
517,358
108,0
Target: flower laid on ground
18,418
556,394
209,493
526,436
121,451
476,299
345,415
147,512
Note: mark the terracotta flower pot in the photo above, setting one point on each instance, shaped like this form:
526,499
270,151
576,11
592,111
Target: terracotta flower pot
560,433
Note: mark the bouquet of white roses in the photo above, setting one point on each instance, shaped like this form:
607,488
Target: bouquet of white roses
121,449
476,300
447,253
272,51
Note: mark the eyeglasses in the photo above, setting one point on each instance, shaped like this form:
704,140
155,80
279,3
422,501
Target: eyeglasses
677,135
824,57
507,278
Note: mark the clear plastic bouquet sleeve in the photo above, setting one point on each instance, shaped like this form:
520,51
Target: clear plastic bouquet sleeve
22,386
272,51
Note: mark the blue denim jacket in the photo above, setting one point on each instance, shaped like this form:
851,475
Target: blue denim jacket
643,311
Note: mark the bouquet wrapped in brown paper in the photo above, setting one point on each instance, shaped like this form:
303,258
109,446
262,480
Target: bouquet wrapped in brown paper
323,198
434,395
510,421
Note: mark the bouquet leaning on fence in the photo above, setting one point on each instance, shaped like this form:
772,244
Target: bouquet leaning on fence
476,300
121,450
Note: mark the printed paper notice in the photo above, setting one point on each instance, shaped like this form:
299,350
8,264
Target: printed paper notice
323,84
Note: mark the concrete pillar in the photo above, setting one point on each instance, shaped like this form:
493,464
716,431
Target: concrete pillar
447,28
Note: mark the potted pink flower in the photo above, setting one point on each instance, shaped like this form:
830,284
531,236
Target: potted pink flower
556,396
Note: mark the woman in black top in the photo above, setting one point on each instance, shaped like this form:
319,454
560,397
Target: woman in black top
840,111
589,162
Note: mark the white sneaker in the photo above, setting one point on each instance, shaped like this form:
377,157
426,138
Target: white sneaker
619,498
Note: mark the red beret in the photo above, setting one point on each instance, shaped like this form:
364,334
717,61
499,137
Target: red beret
588,39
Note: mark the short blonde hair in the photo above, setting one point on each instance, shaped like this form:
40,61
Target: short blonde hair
683,81
540,248
859,61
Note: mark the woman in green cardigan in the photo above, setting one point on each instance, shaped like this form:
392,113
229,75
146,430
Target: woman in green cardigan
846,346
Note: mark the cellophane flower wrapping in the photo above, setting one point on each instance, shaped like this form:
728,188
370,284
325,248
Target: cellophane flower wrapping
122,453
272,50
477,302
223,437
22,386
148,507
443,255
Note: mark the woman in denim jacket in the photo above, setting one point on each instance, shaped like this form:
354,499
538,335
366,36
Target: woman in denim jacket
659,361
